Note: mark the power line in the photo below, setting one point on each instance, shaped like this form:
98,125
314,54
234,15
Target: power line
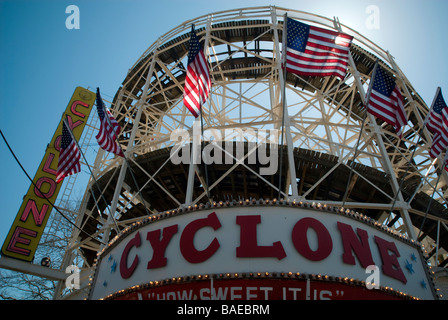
48,200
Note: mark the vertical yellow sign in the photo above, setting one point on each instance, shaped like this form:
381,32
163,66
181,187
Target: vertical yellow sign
29,224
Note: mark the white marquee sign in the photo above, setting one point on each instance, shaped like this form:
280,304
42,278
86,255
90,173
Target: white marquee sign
260,238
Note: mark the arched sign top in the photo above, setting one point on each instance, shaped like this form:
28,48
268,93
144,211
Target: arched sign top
234,241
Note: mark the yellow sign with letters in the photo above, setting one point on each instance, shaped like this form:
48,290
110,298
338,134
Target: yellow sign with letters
29,224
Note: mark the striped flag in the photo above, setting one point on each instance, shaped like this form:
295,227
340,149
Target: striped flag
437,123
69,155
109,128
313,51
197,82
385,100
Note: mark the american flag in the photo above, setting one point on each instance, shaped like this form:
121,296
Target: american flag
197,82
109,128
437,123
69,155
313,51
385,100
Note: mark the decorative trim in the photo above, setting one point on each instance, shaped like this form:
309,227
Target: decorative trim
260,202
256,275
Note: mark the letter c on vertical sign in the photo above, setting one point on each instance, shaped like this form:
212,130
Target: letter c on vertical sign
187,248
300,239
76,112
124,270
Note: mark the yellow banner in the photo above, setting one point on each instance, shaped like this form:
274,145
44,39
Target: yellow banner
29,224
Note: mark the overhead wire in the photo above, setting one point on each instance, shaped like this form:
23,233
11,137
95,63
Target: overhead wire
48,200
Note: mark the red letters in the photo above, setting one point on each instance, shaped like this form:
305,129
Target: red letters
16,238
391,267
300,239
47,166
37,216
124,270
352,243
249,247
39,184
78,103
187,248
159,245
72,124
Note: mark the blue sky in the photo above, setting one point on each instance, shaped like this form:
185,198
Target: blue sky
42,62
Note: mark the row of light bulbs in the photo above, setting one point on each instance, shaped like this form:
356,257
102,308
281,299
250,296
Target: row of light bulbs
260,202
255,275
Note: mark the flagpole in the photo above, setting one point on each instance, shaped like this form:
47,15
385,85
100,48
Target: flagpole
91,173
191,169
423,127
205,51
198,106
205,164
355,154
124,155
286,124
413,152
284,75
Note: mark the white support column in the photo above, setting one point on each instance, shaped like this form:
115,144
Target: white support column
287,124
122,174
194,156
331,145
